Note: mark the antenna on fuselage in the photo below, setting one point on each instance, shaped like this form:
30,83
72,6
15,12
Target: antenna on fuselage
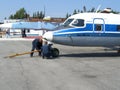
98,8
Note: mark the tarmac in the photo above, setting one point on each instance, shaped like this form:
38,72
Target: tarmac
77,68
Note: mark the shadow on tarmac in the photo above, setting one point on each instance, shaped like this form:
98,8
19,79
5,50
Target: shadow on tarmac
108,54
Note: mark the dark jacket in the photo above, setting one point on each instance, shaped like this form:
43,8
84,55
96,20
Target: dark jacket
46,50
37,44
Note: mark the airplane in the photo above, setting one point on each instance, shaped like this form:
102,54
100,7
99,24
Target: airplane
88,29
33,29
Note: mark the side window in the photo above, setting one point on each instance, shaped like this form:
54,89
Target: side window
78,22
98,27
118,27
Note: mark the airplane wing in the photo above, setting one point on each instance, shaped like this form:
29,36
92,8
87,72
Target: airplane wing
30,25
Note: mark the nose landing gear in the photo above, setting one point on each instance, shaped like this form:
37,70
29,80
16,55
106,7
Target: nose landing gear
55,52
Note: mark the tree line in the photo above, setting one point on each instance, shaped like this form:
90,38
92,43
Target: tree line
22,14
85,10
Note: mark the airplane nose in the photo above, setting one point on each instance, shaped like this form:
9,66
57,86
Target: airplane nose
48,36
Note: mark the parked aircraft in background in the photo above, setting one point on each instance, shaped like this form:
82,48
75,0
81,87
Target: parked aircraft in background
31,28
88,29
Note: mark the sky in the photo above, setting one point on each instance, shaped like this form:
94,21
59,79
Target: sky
54,8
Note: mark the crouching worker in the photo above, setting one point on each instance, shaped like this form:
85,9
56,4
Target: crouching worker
46,50
36,44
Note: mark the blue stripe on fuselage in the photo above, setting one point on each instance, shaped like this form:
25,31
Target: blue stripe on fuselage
110,31
90,34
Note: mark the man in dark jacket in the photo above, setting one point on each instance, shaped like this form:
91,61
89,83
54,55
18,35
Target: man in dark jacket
36,44
46,50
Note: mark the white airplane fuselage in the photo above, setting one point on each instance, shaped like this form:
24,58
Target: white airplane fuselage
88,29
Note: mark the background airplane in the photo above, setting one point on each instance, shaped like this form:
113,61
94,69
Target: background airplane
31,28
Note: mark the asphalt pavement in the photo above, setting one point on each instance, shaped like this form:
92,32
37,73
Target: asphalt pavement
77,68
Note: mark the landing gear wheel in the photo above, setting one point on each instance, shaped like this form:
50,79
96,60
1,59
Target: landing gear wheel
55,52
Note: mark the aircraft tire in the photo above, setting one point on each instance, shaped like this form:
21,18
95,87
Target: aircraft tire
55,52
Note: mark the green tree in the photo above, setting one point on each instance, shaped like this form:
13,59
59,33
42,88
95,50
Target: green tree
11,17
84,9
75,12
41,15
38,14
67,15
20,14
92,10
34,15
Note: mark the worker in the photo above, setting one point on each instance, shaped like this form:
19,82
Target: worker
46,50
36,44
8,33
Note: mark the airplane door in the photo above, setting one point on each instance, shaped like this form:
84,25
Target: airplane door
98,25
98,36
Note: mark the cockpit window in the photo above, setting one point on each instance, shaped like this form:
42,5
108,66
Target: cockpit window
68,22
78,22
